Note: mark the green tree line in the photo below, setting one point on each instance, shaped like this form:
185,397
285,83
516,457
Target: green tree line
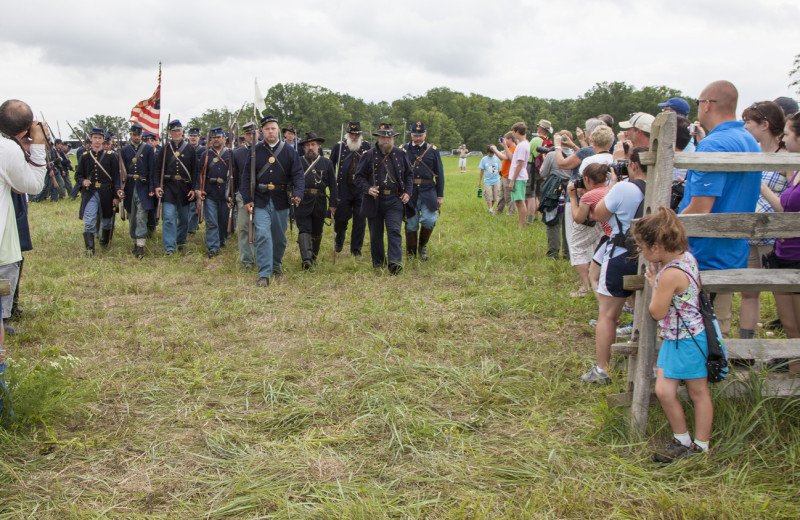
452,118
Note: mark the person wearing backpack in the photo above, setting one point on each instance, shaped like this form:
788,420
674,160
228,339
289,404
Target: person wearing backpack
673,275
619,207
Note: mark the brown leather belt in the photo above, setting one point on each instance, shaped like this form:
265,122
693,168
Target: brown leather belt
314,191
419,181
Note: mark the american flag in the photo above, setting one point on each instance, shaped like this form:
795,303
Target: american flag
146,112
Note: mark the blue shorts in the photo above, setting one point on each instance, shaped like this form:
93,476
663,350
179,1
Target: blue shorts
686,361
612,272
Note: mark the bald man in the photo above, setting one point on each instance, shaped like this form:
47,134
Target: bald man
721,192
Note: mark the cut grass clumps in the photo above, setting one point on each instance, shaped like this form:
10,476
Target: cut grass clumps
173,387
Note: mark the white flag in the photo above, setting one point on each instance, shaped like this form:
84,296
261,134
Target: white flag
261,107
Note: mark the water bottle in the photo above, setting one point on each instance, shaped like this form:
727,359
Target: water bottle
480,193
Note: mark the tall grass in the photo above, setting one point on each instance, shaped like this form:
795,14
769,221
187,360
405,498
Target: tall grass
173,387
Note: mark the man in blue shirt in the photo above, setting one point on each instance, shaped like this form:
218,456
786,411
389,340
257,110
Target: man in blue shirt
721,192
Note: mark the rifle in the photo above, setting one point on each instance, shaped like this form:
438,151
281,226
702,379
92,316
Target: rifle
49,150
338,168
123,176
203,174
250,228
231,188
163,167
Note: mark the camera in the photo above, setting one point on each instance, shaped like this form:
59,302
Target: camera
578,183
620,168
545,149
500,139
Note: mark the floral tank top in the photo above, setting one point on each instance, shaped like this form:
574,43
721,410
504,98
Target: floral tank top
685,303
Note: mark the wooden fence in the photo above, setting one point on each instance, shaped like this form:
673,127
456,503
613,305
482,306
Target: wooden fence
641,350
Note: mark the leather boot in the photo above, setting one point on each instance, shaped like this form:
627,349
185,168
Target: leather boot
304,241
395,268
88,239
341,230
411,243
424,236
316,242
105,238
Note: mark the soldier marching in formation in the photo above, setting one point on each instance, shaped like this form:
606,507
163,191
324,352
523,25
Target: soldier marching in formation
139,159
272,183
426,199
384,177
247,252
345,156
98,175
177,164
310,214
211,187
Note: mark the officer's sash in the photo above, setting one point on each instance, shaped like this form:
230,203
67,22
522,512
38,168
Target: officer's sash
311,165
102,153
419,158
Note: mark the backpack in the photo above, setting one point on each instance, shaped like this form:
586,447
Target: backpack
552,189
717,360
539,159
626,239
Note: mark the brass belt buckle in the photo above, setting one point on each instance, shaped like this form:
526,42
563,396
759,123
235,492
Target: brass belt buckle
270,186
177,177
97,184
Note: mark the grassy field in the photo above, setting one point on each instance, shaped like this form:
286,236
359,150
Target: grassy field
173,387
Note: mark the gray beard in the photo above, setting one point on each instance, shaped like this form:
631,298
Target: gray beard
385,147
354,146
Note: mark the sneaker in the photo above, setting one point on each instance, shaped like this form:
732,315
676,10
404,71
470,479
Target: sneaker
627,308
625,330
595,375
593,323
674,450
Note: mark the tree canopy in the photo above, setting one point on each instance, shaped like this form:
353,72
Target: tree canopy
452,117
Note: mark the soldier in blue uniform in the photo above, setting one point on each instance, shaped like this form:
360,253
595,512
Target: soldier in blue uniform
345,156
152,140
426,199
290,137
140,185
193,136
310,214
384,177
180,172
98,175
62,149
279,182
73,194
247,252
215,161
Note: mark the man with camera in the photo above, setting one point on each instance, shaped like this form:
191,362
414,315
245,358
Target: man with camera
22,169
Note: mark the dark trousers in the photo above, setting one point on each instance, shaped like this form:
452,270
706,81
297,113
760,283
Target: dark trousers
310,224
345,210
390,217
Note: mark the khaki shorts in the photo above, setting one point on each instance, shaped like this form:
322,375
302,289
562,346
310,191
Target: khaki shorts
493,193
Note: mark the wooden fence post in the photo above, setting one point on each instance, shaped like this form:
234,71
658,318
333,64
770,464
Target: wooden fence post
658,193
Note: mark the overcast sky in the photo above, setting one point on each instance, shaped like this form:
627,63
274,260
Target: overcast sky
73,60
